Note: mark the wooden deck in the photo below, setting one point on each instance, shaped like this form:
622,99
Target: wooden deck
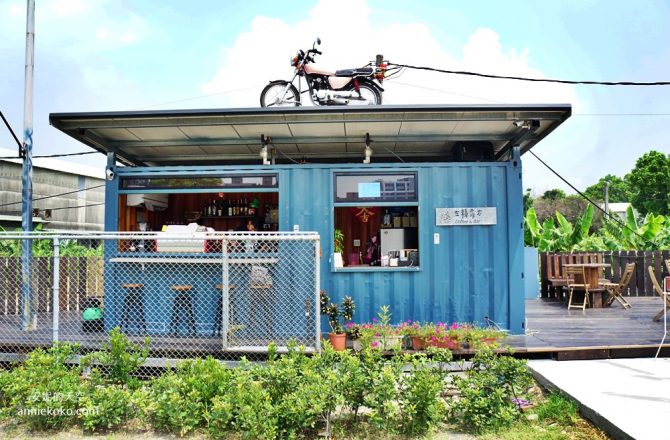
554,331
551,332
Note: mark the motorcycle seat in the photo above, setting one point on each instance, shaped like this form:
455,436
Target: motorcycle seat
353,72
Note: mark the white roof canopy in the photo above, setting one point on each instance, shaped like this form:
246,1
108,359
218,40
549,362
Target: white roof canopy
312,134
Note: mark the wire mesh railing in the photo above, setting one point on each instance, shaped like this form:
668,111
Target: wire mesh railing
221,294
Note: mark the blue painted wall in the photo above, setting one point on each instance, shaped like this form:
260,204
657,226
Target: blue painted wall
475,271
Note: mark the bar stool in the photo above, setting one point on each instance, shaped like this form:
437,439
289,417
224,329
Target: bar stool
182,304
218,321
133,304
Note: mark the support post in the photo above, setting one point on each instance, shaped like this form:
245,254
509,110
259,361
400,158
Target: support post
56,290
28,318
517,309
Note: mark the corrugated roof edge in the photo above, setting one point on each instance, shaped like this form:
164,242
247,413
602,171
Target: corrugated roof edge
567,108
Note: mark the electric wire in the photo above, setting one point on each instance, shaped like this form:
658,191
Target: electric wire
42,156
547,80
76,207
581,194
54,195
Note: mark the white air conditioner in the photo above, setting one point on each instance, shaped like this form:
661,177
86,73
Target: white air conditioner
153,202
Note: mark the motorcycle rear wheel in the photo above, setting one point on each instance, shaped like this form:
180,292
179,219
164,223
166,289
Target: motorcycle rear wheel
369,92
271,95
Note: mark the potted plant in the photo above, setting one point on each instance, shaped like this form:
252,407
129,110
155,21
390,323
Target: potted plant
338,248
354,334
417,333
478,337
381,334
337,335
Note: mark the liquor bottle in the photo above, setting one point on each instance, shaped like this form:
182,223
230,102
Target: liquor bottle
219,209
245,207
235,208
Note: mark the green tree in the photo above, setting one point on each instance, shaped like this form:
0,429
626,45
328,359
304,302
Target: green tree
619,191
527,201
554,194
649,181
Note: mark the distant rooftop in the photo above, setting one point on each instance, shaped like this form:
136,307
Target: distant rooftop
56,165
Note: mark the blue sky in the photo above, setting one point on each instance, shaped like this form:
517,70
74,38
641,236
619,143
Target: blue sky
169,54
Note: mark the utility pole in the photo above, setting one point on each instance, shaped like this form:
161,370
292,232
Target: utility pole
607,199
29,318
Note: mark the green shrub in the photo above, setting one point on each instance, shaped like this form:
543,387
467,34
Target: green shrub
118,359
105,407
558,408
382,396
487,390
44,391
246,407
178,401
421,407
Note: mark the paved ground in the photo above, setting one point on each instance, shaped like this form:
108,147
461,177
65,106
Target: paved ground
628,398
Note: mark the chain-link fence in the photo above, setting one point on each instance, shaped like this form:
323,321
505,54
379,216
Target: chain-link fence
220,294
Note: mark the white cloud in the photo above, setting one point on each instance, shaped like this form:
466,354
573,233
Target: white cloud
262,54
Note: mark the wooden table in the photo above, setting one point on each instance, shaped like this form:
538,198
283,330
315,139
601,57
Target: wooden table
592,272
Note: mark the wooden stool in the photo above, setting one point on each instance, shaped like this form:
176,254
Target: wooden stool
218,321
133,303
183,303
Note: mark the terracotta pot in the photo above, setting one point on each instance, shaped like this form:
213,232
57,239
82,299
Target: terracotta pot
451,344
387,343
338,341
418,343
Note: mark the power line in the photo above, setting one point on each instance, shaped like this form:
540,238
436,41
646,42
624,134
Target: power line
55,195
75,207
54,155
611,217
521,78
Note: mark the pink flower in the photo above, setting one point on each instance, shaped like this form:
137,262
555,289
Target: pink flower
374,319
374,344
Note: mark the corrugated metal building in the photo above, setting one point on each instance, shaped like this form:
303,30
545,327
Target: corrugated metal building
59,199
448,177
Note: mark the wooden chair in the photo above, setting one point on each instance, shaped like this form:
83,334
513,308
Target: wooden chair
576,281
615,290
659,292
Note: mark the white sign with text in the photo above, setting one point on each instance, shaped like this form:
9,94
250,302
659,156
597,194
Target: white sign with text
465,216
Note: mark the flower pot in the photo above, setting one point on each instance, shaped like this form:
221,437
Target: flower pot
387,343
418,343
451,344
338,341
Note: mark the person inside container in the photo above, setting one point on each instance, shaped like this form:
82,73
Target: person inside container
371,255
248,226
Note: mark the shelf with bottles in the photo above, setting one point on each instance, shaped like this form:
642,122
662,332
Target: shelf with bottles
226,217
234,208
399,217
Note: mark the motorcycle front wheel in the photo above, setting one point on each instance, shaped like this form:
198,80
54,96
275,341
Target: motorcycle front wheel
271,96
370,94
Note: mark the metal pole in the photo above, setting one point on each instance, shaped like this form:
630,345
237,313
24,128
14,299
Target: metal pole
56,289
29,319
317,288
607,198
225,294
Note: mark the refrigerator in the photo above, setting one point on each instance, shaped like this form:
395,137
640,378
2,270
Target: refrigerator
397,239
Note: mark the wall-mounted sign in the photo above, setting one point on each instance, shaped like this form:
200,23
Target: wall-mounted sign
465,216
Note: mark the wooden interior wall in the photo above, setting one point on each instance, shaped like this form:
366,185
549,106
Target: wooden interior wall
179,204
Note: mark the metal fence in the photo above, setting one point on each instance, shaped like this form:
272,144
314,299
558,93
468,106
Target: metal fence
220,294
